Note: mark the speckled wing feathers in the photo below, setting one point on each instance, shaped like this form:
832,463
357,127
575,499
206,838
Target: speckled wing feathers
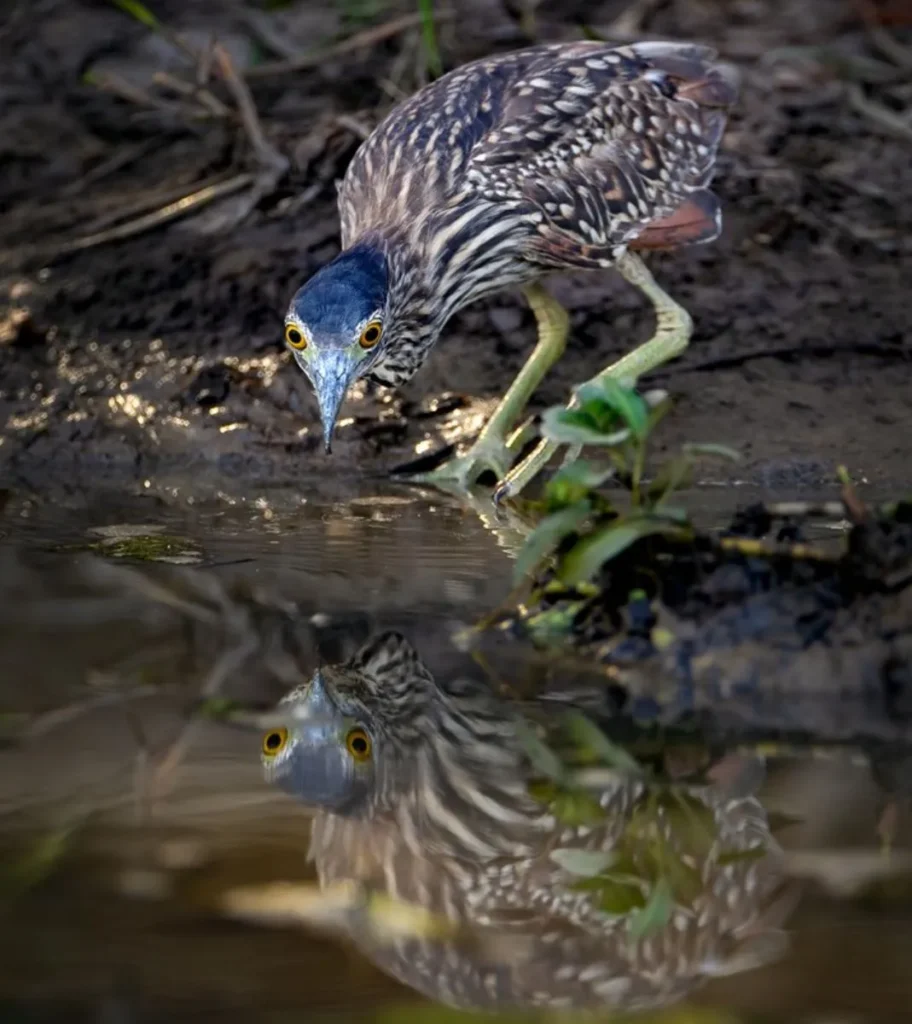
592,147
605,142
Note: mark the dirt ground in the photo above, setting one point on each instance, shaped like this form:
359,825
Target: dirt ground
161,352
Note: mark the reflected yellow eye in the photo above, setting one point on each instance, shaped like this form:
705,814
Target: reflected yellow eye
371,334
358,744
295,337
274,742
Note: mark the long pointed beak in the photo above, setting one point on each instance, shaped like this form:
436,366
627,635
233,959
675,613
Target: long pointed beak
331,381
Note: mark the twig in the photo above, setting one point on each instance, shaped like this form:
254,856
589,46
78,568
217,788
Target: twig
192,90
179,208
369,37
265,152
631,22
353,125
117,161
894,124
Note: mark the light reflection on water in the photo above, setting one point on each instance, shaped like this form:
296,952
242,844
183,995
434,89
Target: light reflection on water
124,830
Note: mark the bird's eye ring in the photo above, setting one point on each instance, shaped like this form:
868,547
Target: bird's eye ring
371,334
274,742
358,744
295,337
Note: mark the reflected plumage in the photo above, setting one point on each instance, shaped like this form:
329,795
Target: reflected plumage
422,791
555,157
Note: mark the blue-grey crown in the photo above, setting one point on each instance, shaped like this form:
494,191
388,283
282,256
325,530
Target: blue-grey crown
344,292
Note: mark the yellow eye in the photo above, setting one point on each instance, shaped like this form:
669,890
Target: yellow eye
274,742
371,335
295,337
358,744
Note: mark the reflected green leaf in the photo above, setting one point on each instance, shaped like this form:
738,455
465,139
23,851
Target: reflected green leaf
656,914
542,758
585,863
613,895
752,853
548,535
577,807
590,740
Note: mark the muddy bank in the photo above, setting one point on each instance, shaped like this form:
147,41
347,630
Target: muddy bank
161,353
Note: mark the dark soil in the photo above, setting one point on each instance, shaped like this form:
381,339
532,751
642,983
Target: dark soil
162,353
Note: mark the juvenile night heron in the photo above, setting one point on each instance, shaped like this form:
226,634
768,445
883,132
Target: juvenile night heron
557,157
421,792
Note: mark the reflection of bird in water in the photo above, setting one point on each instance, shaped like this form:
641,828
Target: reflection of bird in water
422,792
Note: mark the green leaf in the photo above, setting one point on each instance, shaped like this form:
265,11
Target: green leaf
140,12
548,535
672,475
429,37
587,735
577,807
585,863
720,450
614,896
685,881
624,402
543,791
572,426
656,914
752,853
572,483
543,759
585,559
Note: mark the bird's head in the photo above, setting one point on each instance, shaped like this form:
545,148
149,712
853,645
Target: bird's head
336,326
341,742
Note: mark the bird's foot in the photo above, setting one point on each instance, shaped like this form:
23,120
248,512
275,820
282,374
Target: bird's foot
487,455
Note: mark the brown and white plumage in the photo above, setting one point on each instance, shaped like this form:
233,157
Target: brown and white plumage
561,156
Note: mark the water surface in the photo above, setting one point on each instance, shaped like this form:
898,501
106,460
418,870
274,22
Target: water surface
122,828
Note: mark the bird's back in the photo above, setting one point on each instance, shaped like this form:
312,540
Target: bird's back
590,146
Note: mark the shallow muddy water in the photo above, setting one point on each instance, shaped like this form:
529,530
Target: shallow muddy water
125,831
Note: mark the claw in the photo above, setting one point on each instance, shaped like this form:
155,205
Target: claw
464,470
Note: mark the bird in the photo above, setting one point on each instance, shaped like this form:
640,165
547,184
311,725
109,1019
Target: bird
423,790
556,157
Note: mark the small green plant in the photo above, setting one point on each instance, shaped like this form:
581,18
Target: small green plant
429,36
613,416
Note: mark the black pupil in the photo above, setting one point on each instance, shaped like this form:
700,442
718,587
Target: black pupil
370,334
273,740
359,744
294,337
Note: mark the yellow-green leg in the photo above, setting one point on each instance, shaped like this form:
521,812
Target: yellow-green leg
673,330
493,449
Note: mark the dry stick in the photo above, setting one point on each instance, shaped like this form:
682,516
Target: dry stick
192,90
369,37
154,199
117,161
189,203
266,153
894,124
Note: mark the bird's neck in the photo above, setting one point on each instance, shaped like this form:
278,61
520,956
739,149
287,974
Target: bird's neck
465,794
